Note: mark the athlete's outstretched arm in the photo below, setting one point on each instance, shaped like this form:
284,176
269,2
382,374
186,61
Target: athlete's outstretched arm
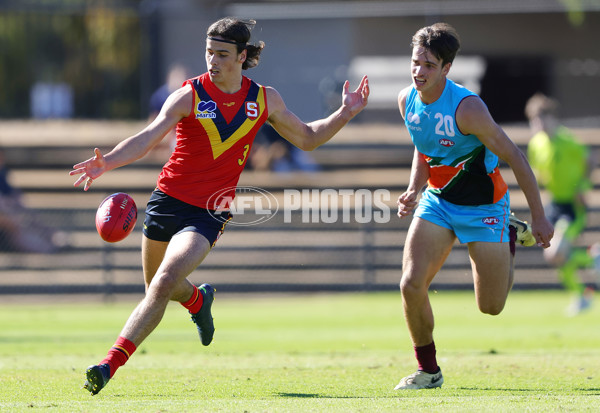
177,106
308,136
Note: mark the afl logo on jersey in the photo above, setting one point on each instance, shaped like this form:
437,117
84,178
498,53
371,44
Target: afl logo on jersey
252,110
446,142
490,220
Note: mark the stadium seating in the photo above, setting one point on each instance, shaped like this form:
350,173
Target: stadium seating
273,256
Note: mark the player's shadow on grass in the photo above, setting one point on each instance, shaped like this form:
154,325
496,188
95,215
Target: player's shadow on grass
310,396
593,390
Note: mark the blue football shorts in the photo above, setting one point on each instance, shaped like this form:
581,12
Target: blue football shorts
167,216
487,223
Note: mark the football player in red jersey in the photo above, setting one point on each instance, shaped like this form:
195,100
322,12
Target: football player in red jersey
217,115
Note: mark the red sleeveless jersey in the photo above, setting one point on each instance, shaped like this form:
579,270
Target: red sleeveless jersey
213,143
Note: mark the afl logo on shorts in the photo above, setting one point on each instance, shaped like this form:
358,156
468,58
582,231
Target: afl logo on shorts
490,220
252,110
446,142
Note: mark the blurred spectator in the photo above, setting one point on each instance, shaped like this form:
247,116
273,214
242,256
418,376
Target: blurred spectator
176,75
270,152
563,165
51,100
20,229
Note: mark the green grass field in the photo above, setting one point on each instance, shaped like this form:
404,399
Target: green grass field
299,353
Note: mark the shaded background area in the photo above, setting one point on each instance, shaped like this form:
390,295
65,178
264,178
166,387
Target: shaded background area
103,59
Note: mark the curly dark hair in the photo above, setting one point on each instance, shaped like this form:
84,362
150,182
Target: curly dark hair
441,39
238,31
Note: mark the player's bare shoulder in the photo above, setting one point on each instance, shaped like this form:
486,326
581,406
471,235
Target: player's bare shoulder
275,103
472,105
472,114
402,100
181,101
274,99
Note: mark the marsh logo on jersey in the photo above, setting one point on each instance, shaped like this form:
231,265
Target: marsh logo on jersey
446,142
490,221
413,118
206,110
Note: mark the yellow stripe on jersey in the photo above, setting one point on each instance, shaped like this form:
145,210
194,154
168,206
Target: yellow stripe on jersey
218,146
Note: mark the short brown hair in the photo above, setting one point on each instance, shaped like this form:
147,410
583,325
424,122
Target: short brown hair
441,39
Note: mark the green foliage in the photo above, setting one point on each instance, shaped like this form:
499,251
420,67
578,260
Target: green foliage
303,353
92,47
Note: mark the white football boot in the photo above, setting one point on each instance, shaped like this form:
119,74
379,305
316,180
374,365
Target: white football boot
524,235
421,380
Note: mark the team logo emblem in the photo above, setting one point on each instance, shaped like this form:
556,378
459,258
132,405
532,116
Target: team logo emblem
490,220
446,142
252,110
206,110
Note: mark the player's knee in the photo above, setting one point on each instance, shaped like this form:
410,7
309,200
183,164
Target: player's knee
491,308
410,286
163,283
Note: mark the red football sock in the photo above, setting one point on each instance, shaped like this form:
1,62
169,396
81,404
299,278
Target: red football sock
426,358
119,354
195,302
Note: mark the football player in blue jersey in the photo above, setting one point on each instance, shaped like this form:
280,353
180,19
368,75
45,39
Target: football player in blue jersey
457,149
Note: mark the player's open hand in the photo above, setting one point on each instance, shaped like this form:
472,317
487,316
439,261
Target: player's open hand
89,170
357,100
